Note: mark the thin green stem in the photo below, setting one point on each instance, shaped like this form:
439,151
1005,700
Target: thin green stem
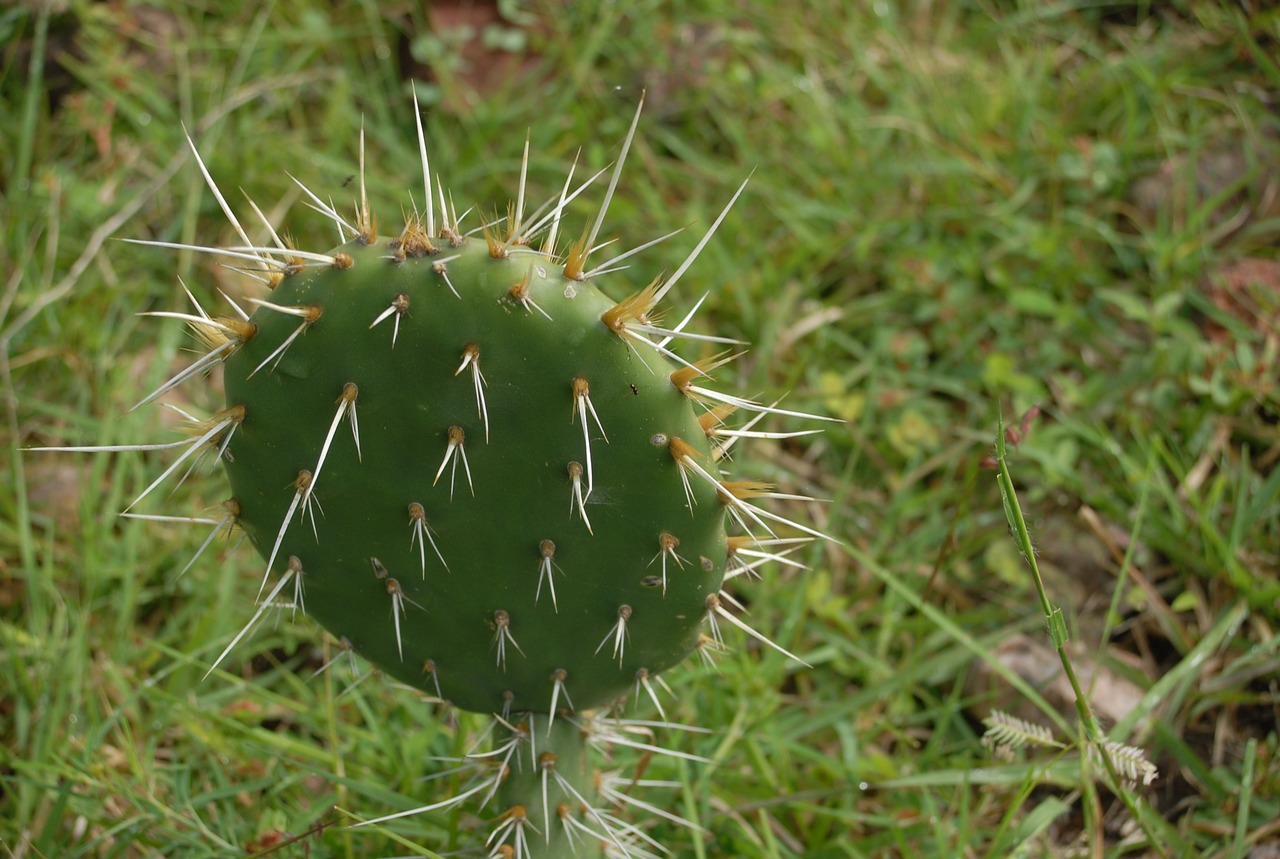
1058,634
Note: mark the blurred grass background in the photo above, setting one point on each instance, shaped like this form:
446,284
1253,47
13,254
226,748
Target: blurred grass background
959,210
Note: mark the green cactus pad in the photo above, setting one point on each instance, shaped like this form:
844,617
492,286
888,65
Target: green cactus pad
450,547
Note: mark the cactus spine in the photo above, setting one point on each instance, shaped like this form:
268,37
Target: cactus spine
492,480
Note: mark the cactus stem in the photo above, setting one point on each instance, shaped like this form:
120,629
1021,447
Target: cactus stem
435,806
502,637
455,451
581,406
617,632
471,358
421,535
576,497
301,497
667,543
399,307
558,688
642,682
546,568
262,607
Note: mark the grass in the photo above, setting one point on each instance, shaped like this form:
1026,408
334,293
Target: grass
943,229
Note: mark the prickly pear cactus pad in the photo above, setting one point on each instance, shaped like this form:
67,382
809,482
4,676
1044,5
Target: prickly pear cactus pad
492,477
494,468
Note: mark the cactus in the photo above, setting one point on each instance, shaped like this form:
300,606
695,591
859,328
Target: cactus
491,480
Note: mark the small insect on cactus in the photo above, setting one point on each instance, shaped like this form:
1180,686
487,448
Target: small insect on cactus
491,480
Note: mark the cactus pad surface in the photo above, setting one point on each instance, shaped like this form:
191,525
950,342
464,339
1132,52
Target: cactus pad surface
446,535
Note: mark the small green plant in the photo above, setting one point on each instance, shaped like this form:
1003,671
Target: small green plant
489,478
1124,765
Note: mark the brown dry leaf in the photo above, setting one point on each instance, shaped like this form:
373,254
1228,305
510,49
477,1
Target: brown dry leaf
1246,170
482,69
1249,290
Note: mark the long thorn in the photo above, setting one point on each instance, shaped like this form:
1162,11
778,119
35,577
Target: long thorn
688,261
262,607
617,171
426,165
